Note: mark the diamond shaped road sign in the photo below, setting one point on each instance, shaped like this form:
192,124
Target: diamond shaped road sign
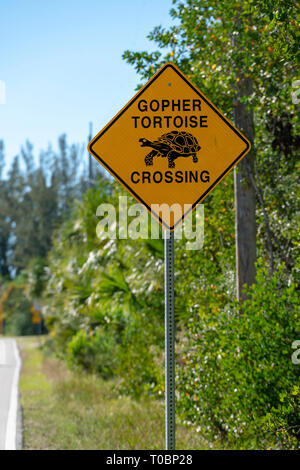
169,146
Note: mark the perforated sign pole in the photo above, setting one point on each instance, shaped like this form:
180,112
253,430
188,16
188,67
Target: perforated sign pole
169,341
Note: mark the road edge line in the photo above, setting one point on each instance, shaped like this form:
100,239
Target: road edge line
11,427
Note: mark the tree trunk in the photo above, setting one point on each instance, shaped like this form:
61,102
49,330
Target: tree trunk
244,192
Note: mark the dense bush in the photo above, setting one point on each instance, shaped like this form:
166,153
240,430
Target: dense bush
238,376
92,352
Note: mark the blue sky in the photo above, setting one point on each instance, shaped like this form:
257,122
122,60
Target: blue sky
62,67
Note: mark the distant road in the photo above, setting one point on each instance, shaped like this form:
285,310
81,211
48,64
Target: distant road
10,365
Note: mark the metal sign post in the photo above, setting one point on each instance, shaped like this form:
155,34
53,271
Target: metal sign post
169,341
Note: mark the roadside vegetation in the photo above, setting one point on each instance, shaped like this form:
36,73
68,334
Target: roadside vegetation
69,410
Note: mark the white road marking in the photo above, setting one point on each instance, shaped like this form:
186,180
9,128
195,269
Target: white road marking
2,353
11,427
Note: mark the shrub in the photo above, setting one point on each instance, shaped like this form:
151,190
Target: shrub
93,352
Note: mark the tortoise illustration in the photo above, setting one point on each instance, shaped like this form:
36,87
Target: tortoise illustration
172,145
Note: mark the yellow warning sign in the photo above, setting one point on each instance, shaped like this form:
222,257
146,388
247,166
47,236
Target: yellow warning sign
169,146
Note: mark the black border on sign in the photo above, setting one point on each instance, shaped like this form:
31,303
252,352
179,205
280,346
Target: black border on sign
126,107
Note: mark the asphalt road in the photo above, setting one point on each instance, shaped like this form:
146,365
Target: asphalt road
9,376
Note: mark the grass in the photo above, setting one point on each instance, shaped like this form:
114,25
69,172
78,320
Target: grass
68,410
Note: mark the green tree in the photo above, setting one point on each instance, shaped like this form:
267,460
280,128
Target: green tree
243,55
34,200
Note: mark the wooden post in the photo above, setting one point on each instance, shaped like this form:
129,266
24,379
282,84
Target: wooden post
245,197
